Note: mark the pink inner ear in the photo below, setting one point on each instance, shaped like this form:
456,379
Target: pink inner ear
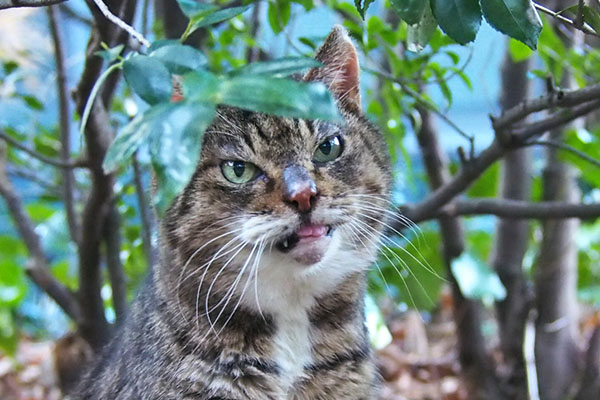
347,88
340,71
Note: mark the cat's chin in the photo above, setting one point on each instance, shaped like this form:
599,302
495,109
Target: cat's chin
308,245
311,251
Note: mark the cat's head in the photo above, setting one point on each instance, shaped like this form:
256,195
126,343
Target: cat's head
292,194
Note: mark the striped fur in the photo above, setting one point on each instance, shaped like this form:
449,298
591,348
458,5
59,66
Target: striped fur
226,315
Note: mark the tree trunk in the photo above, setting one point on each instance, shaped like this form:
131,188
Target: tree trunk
555,286
556,352
477,365
511,241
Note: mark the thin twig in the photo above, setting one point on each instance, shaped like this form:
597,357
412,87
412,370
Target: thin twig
38,266
507,208
556,98
42,182
4,4
116,273
145,211
70,13
585,28
51,161
423,101
523,133
565,147
121,24
64,123
579,19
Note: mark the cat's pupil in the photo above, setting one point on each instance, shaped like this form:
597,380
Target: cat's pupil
326,147
238,168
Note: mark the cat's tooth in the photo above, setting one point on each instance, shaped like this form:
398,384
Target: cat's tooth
285,244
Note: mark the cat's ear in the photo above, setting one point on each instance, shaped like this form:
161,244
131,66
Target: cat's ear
340,68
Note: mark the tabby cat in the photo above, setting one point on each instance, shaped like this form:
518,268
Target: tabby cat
259,293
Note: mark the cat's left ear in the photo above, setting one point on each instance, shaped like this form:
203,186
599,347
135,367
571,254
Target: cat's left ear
340,68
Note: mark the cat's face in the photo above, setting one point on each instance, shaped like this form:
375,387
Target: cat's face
289,194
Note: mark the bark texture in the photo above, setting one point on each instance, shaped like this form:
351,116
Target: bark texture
511,241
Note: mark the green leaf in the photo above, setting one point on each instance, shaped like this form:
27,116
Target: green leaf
278,68
285,97
33,102
410,11
179,58
110,54
487,184
8,331
459,19
420,34
362,6
212,16
278,14
65,274
192,8
307,42
175,151
132,136
477,280
149,78
412,272
592,17
590,295
39,211
10,67
515,18
201,86
12,283
95,89
161,43
519,51
11,246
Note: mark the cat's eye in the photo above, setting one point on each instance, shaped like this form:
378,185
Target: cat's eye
329,150
239,171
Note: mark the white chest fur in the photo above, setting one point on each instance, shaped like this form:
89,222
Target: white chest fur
288,291
292,347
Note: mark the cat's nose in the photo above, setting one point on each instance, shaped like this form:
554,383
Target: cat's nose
299,189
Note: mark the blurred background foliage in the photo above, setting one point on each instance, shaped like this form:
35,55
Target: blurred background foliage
406,67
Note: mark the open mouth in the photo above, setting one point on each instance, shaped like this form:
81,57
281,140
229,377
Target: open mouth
305,234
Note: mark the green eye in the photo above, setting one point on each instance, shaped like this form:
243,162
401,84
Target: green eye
329,150
239,171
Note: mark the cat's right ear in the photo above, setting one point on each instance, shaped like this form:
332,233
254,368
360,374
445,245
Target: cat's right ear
340,68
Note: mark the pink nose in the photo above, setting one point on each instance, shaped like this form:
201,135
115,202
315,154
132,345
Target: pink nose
298,188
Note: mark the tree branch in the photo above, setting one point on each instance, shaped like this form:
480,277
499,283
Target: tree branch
428,208
112,239
4,4
522,133
506,208
558,98
37,268
70,13
121,24
145,211
565,147
582,27
64,124
51,161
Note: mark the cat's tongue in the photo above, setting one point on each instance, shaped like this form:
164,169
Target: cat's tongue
308,244
311,231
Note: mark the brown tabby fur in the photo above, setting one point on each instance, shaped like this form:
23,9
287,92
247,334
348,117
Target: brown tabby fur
288,331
